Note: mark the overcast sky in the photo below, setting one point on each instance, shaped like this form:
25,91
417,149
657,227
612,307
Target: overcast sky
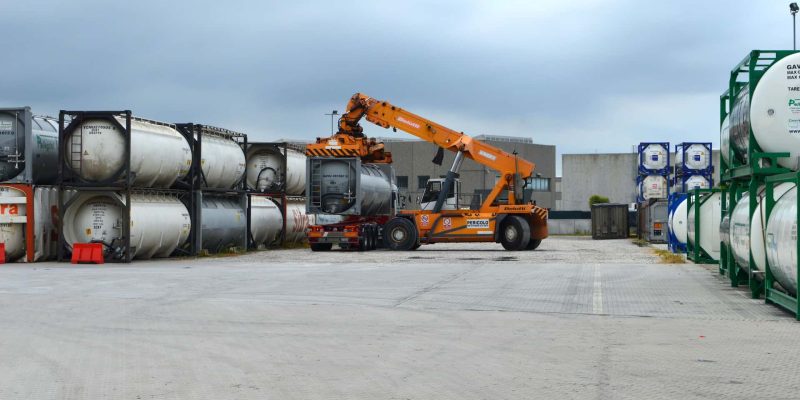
586,76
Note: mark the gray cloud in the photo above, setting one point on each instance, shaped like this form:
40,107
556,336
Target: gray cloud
586,76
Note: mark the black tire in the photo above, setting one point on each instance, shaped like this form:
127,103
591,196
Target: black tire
373,237
534,243
321,246
363,240
416,246
400,234
515,234
370,240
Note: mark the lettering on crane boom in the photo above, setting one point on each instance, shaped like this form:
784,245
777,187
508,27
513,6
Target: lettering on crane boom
487,155
408,122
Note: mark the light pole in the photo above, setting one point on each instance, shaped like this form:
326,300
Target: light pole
793,9
333,114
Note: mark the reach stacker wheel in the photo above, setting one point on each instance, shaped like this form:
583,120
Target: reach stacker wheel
400,234
515,234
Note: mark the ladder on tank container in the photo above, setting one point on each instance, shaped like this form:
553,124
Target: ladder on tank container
316,184
76,152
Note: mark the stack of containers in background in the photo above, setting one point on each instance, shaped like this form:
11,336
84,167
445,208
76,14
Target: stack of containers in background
218,204
276,181
760,140
28,197
129,180
693,170
653,189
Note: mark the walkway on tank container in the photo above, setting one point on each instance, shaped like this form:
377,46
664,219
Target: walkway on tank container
580,319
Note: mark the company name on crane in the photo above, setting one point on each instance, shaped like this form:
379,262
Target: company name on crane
408,122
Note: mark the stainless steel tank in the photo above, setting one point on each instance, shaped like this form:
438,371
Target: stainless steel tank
739,128
223,223
781,241
345,186
266,220
28,147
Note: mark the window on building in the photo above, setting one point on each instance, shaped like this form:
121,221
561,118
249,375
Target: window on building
402,182
539,184
422,181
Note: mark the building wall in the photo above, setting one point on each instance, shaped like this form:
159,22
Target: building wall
609,175
412,159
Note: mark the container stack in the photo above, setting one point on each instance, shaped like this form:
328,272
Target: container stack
275,182
693,170
218,204
28,195
653,189
124,183
760,160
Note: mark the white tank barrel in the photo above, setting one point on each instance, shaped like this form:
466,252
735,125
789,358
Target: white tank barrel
222,161
159,223
696,156
781,241
159,154
223,223
266,168
677,222
653,187
347,187
26,138
757,244
772,113
697,182
13,212
266,221
740,232
654,157
709,218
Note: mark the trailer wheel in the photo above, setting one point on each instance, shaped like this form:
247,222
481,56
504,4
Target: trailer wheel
515,234
534,243
373,238
400,234
321,246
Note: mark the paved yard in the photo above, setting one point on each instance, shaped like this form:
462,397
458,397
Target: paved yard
578,320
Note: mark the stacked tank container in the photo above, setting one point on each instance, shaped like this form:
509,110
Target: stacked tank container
693,166
28,197
652,185
218,203
124,182
275,182
760,160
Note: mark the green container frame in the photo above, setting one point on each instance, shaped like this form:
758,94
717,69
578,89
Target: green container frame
772,295
737,177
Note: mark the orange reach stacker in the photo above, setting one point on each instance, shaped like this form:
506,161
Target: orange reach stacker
504,219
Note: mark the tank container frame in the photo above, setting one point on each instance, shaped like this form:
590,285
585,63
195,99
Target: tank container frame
695,253
772,295
194,134
738,177
29,174
120,183
640,178
645,171
285,147
682,170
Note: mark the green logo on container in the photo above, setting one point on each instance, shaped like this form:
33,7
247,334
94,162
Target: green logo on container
794,102
46,142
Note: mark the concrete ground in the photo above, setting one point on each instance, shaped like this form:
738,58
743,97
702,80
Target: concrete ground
577,320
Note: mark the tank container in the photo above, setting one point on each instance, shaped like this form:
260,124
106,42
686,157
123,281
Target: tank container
275,167
345,186
28,147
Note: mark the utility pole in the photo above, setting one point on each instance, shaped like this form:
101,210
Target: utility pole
793,8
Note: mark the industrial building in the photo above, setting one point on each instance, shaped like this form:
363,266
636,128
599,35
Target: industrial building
412,161
612,175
